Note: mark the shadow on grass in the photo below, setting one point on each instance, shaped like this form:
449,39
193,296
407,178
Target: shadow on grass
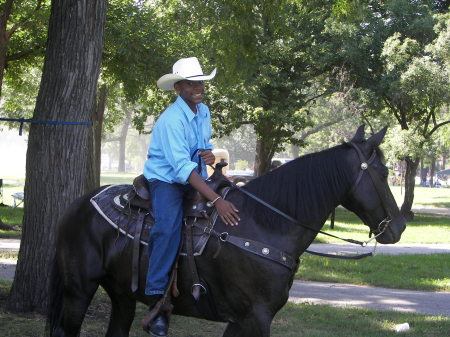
443,204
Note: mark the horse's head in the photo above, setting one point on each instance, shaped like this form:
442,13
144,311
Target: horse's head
370,197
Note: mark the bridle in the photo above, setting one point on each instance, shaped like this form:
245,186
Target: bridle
366,165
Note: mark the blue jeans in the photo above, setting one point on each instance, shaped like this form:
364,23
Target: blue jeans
165,235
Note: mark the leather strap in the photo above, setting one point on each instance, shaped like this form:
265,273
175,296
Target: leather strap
263,250
136,252
197,287
291,219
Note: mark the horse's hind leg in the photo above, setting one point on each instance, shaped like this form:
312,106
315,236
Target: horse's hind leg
249,327
76,302
122,314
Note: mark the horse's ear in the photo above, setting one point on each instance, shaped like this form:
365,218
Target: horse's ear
359,135
376,139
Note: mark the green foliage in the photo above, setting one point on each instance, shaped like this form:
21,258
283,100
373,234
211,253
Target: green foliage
401,144
134,51
269,76
241,165
28,27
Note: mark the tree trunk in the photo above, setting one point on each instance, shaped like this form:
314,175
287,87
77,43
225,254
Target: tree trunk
295,151
57,167
432,170
97,127
123,139
4,38
263,158
410,181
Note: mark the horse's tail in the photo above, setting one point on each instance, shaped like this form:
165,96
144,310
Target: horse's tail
55,303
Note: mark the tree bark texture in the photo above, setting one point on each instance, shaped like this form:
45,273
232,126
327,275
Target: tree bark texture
97,126
263,158
410,181
432,170
57,156
4,38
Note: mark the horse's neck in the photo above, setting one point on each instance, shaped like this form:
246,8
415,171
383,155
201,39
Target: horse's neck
309,195
313,193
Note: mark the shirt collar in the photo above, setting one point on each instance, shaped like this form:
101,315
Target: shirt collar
187,110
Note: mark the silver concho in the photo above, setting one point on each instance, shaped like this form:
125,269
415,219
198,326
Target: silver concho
265,251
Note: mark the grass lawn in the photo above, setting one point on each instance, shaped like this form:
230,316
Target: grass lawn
303,320
425,196
418,272
426,228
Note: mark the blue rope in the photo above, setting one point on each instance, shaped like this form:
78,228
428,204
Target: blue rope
30,120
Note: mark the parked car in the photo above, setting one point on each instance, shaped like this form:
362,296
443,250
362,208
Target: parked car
240,177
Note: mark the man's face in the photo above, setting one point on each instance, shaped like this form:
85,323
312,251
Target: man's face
191,91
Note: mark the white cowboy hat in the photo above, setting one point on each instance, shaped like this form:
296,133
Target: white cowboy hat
184,69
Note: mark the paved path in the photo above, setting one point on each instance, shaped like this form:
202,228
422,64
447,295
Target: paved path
377,298
396,249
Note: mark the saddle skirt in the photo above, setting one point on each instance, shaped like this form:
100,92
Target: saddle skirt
113,204
121,208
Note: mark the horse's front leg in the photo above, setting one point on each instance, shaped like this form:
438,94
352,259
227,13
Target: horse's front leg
253,325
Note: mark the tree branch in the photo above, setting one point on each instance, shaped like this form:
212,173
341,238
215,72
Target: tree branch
224,122
326,92
22,54
5,13
437,126
24,22
321,127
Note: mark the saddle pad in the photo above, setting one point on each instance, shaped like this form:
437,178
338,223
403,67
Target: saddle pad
112,204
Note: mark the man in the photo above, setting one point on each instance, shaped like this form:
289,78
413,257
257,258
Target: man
180,136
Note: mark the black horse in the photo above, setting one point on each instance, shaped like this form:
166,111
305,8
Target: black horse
244,288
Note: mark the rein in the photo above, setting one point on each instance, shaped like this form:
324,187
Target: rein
382,226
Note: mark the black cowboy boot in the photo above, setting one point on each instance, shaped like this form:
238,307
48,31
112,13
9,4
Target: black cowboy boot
159,327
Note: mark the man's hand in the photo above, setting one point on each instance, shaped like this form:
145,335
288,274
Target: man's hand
227,212
208,157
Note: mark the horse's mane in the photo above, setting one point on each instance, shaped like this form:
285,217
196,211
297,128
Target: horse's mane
304,187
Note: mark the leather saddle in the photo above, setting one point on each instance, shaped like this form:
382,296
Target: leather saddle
195,205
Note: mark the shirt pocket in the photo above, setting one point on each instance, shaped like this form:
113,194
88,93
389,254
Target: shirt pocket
191,138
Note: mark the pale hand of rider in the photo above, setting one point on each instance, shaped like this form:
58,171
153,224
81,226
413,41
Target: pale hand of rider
207,156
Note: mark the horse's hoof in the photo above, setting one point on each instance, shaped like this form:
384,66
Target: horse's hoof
159,327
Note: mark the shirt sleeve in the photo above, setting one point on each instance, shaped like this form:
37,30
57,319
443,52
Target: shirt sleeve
176,149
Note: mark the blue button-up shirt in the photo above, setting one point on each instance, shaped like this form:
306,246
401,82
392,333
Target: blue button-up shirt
176,136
